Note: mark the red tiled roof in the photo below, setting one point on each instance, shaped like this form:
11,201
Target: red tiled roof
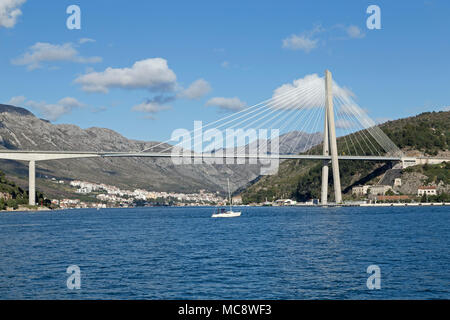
396,197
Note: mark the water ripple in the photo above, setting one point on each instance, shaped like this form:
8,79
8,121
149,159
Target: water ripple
267,253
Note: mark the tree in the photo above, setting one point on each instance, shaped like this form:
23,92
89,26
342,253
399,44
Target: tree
12,204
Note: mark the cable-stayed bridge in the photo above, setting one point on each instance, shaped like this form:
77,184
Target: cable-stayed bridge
298,112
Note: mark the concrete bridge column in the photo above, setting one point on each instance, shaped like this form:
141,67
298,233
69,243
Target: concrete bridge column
32,183
332,136
326,152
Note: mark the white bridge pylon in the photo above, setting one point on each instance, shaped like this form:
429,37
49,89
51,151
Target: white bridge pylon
330,145
307,113
298,111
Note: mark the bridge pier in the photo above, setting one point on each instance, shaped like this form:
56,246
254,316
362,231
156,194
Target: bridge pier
32,183
324,193
326,152
331,135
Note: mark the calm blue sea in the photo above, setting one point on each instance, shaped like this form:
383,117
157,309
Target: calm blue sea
267,253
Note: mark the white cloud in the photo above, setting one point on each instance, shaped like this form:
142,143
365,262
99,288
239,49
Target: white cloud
85,40
47,52
300,42
151,108
310,93
354,32
9,12
310,40
196,90
70,102
151,74
349,109
344,124
16,101
225,64
305,41
447,108
48,110
227,104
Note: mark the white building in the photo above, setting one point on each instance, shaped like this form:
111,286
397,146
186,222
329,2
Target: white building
379,189
360,190
285,202
84,190
429,191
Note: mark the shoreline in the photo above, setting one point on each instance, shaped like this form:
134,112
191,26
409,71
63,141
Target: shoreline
27,209
390,204
331,205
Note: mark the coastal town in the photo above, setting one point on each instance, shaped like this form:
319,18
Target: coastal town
100,195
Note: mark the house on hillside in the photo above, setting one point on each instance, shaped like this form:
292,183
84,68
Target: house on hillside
360,190
237,199
427,190
379,189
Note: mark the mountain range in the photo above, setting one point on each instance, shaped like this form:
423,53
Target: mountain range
20,129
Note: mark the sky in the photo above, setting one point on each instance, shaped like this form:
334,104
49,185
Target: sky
146,68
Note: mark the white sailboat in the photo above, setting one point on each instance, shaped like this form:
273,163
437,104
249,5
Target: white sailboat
221,213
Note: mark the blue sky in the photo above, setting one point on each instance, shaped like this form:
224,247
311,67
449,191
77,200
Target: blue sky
224,49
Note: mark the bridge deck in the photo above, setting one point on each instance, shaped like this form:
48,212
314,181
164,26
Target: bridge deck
55,155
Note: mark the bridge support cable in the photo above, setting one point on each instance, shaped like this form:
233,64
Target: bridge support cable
237,115
348,134
304,128
295,132
351,121
345,137
299,131
351,108
263,112
304,119
316,128
284,115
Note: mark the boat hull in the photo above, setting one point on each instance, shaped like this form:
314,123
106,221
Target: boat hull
226,215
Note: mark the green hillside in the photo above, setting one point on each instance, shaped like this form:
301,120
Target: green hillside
12,195
436,173
428,133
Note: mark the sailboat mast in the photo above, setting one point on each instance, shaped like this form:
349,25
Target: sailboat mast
229,192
